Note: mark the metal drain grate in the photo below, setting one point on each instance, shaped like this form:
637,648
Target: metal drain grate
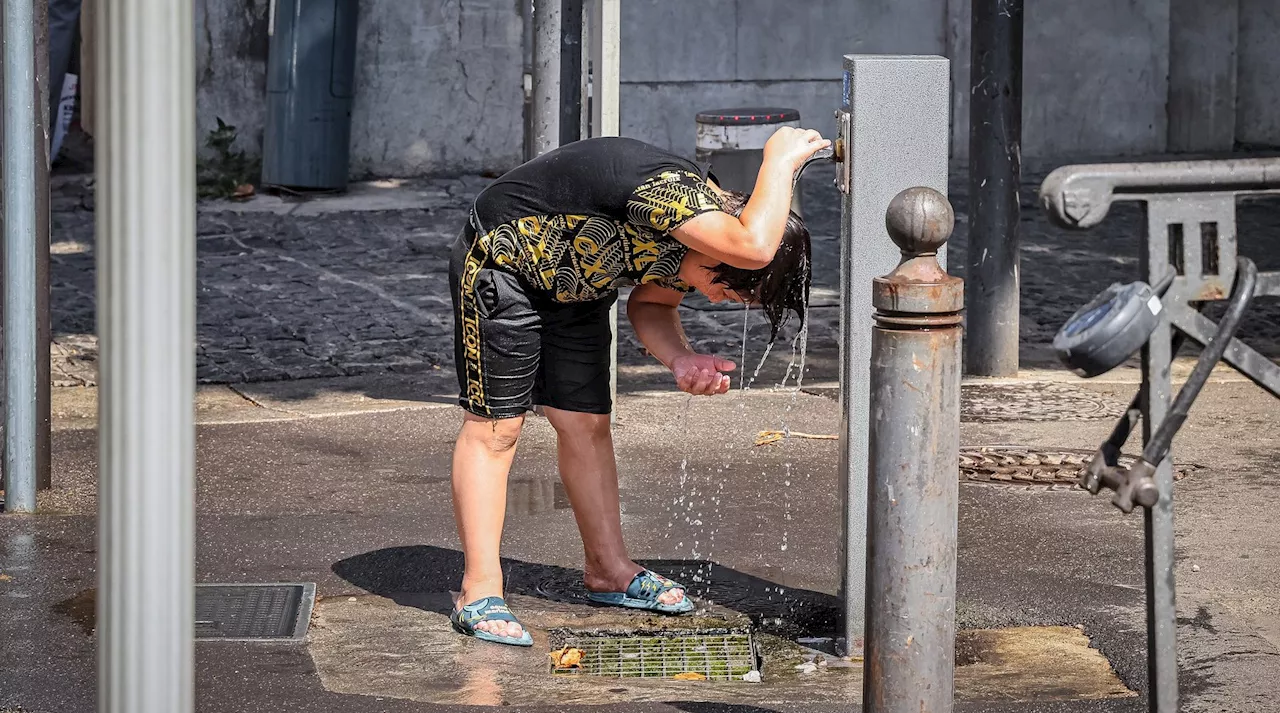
1019,465
982,402
718,655
254,612
1035,402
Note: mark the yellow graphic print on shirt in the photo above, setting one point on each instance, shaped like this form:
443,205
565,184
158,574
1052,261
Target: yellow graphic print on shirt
580,258
669,199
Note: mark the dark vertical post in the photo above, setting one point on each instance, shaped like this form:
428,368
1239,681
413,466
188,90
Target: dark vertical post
43,127
570,71
995,176
1157,392
526,16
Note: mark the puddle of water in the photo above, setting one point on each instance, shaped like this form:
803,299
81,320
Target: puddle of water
81,609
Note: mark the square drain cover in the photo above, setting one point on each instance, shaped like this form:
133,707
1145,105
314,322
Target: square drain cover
254,612
717,655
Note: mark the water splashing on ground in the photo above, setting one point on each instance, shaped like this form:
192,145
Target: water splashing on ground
681,495
802,336
697,499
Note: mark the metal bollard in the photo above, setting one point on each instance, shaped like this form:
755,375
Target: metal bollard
21,225
914,483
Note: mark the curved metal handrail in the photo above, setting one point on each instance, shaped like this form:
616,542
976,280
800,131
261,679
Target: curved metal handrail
1079,197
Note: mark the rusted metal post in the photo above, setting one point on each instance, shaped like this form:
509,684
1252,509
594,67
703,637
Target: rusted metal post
914,455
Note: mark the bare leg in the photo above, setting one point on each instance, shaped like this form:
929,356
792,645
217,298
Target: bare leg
590,478
481,460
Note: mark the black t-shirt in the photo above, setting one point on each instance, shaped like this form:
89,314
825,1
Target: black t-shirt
592,216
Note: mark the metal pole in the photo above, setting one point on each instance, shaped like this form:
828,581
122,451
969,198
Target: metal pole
146,319
570,71
605,34
20,228
587,51
546,75
995,178
1156,394
915,450
526,16
895,129
43,122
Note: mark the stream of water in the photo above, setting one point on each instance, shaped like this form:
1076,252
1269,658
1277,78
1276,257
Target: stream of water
698,495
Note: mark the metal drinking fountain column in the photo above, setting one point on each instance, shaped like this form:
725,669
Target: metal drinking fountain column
895,133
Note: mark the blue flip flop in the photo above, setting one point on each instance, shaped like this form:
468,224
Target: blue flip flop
488,609
643,593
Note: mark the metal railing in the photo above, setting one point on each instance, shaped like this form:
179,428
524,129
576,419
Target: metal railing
1191,247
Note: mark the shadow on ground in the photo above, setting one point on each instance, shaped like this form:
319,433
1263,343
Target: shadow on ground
403,574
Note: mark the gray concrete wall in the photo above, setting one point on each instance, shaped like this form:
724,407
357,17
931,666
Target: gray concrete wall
439,87
1258,113
1095,77
1203,37
438,82
755,52
231,68
1096,70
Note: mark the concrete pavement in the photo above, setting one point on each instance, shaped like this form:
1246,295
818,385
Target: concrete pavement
359,503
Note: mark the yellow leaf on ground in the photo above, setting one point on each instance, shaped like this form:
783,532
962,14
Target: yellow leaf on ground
765,438
5,578
567,658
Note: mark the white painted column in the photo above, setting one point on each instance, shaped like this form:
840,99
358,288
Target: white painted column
145,160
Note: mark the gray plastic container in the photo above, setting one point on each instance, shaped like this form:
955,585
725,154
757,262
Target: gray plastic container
310,86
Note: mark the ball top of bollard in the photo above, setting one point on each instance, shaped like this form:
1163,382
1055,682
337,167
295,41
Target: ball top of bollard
920,220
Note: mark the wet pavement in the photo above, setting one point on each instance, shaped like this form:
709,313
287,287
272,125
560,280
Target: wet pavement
359,504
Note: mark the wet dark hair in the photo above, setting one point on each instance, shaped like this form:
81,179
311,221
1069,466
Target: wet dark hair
780,287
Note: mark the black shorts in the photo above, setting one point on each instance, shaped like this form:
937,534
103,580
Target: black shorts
515,348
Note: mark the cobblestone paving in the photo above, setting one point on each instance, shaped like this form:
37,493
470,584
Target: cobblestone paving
318,293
